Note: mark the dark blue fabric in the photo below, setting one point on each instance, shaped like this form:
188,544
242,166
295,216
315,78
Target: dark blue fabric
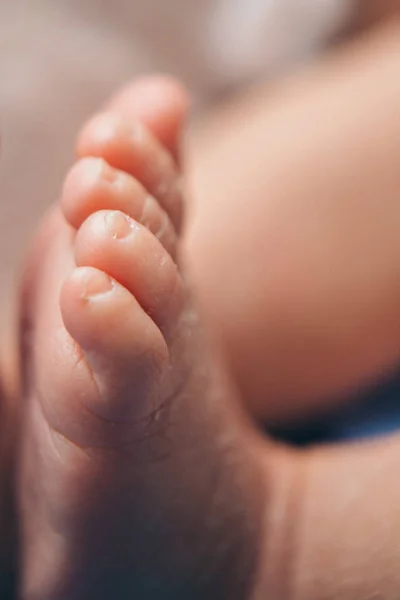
374,413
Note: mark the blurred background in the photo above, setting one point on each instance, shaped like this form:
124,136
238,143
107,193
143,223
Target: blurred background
59,61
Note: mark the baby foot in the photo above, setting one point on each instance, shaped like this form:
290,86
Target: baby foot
138,475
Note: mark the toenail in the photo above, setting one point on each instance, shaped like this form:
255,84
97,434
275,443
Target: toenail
99,169
119,225
96,283
93,169
105,126
109,125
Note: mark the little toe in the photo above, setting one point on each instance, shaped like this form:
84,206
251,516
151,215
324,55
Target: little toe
129,146
94,185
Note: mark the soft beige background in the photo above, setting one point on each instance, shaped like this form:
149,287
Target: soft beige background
60,59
